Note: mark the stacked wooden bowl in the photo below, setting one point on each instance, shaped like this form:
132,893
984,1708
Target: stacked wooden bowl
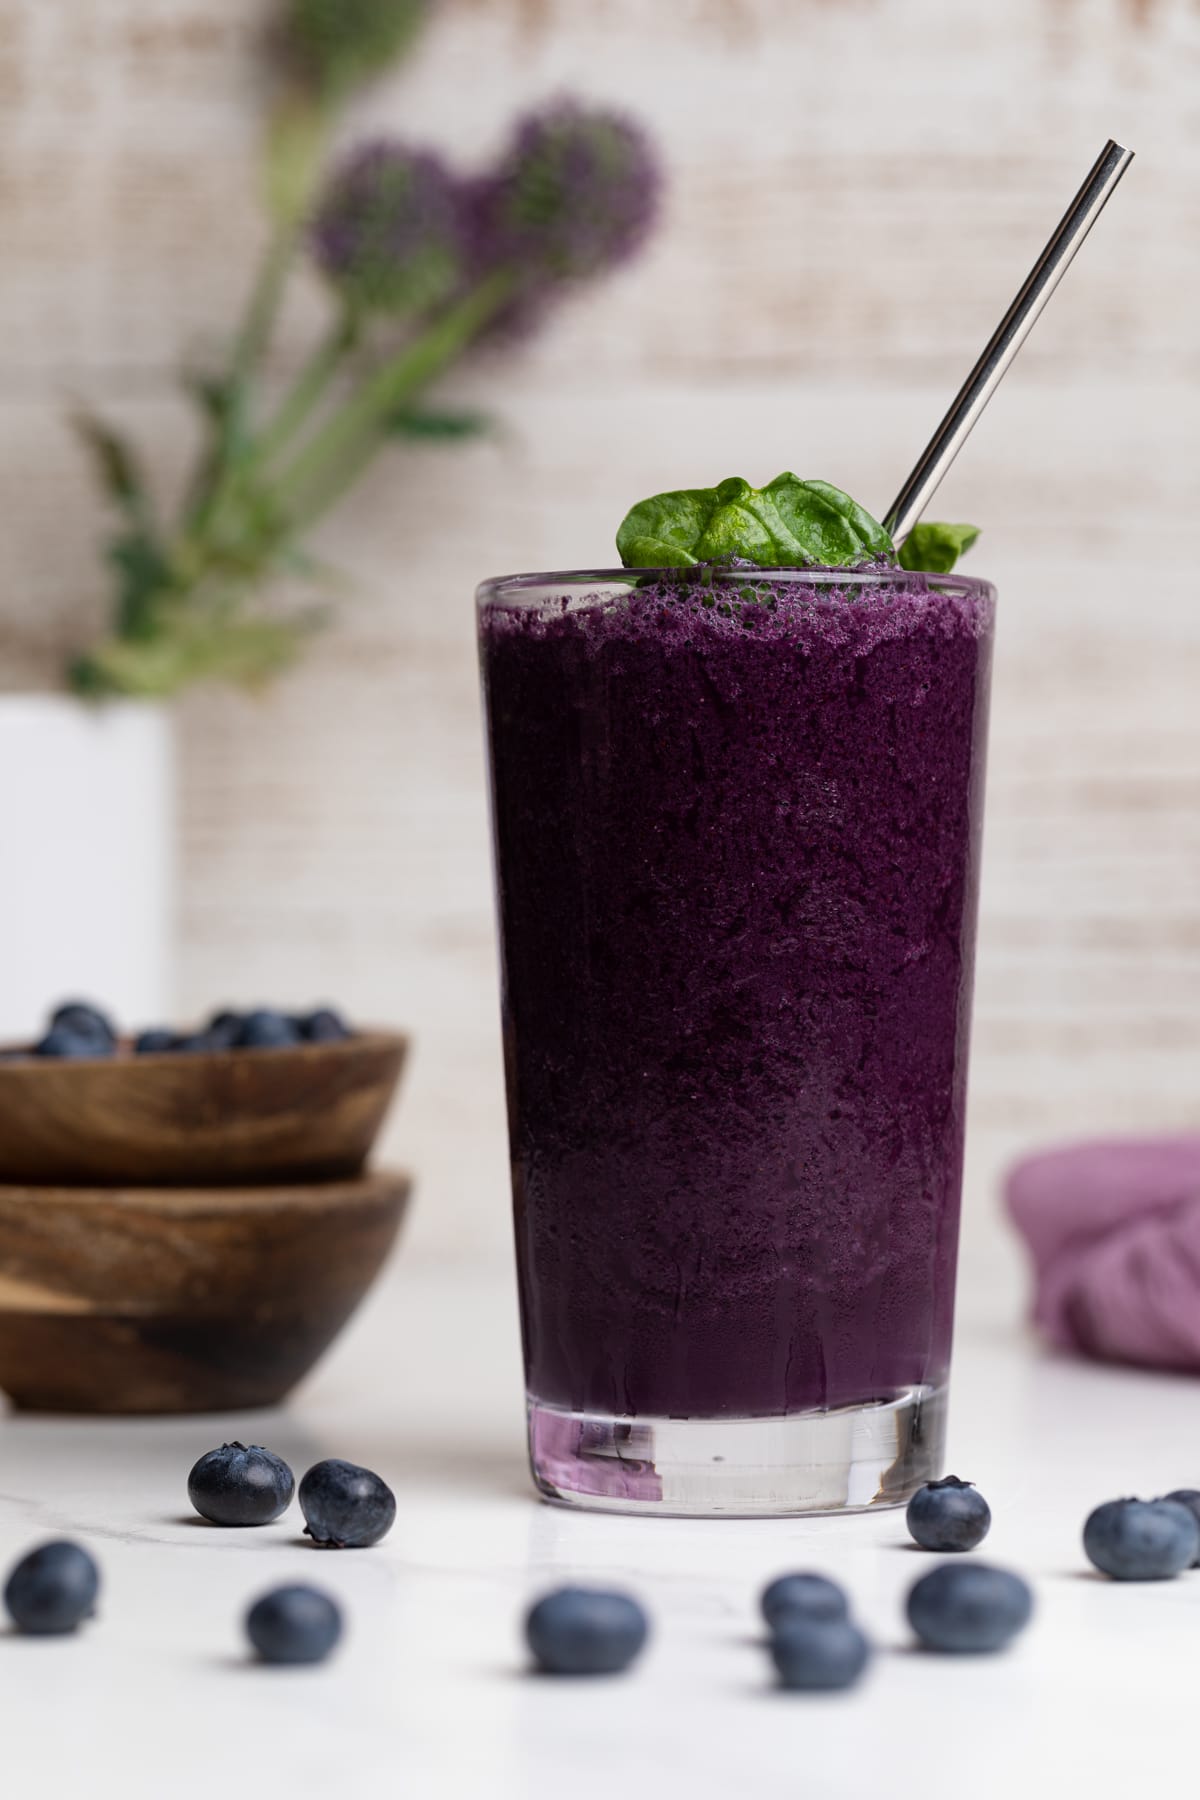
187,1233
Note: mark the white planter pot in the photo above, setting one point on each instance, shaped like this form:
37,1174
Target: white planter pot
87,842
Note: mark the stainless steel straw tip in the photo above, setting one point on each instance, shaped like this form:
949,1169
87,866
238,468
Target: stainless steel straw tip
1007,339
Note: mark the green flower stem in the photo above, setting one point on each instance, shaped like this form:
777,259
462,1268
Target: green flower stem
265,299
296,139
237,538
333,457
306,391
321,494
209,487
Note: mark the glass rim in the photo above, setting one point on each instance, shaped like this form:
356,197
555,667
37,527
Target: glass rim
530,586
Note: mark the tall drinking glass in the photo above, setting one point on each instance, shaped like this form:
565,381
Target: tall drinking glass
737,820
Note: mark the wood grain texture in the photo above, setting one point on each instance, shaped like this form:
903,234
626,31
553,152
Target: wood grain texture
217,1118
181,1300
856,191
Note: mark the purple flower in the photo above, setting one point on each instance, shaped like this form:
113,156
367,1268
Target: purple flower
576,194
390,232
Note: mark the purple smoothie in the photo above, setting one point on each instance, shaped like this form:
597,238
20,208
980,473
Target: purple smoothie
737,851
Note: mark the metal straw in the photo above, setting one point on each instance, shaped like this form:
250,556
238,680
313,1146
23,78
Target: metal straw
1011,333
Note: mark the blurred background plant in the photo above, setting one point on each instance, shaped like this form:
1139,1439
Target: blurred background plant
422,264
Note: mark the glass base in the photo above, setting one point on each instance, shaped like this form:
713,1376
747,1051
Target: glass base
845,1460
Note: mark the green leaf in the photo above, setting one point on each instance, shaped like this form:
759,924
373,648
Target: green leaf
246,652
789,523
210,392
665,531
116,464
144,581
437,426
935,548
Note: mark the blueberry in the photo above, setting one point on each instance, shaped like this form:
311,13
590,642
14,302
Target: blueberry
294,1625
969,1608
803,1596
241,1485
62,1041
345,1507
1141,1540
324,1026
814,1654
196,1043
153,1041
948,1515
224,1029
1189,1497
84,1020
267,1030
53,1589
585,1631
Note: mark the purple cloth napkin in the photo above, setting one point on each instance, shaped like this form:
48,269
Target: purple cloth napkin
1114,1230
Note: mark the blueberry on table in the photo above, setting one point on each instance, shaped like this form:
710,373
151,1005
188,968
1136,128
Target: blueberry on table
241,1484
294,1625
585,1631
948,1515
153,1041
1189,1497
969,1608
816,1655
324,1026
345,1507
267,1030
84,1020
61,1041
803,1596
1142,1540
52,1590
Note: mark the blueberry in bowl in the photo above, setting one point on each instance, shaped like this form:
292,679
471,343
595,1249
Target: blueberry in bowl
248,1096
82,1019
266,1029
224,1028
324,1026
61,1041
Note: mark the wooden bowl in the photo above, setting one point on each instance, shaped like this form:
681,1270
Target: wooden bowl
309,1112
173,1300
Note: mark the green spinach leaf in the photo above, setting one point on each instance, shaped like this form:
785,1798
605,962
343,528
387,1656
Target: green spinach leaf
935,548
786,524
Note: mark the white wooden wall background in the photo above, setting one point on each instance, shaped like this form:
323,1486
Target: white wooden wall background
856,189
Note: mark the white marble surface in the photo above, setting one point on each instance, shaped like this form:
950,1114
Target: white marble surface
429,1697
